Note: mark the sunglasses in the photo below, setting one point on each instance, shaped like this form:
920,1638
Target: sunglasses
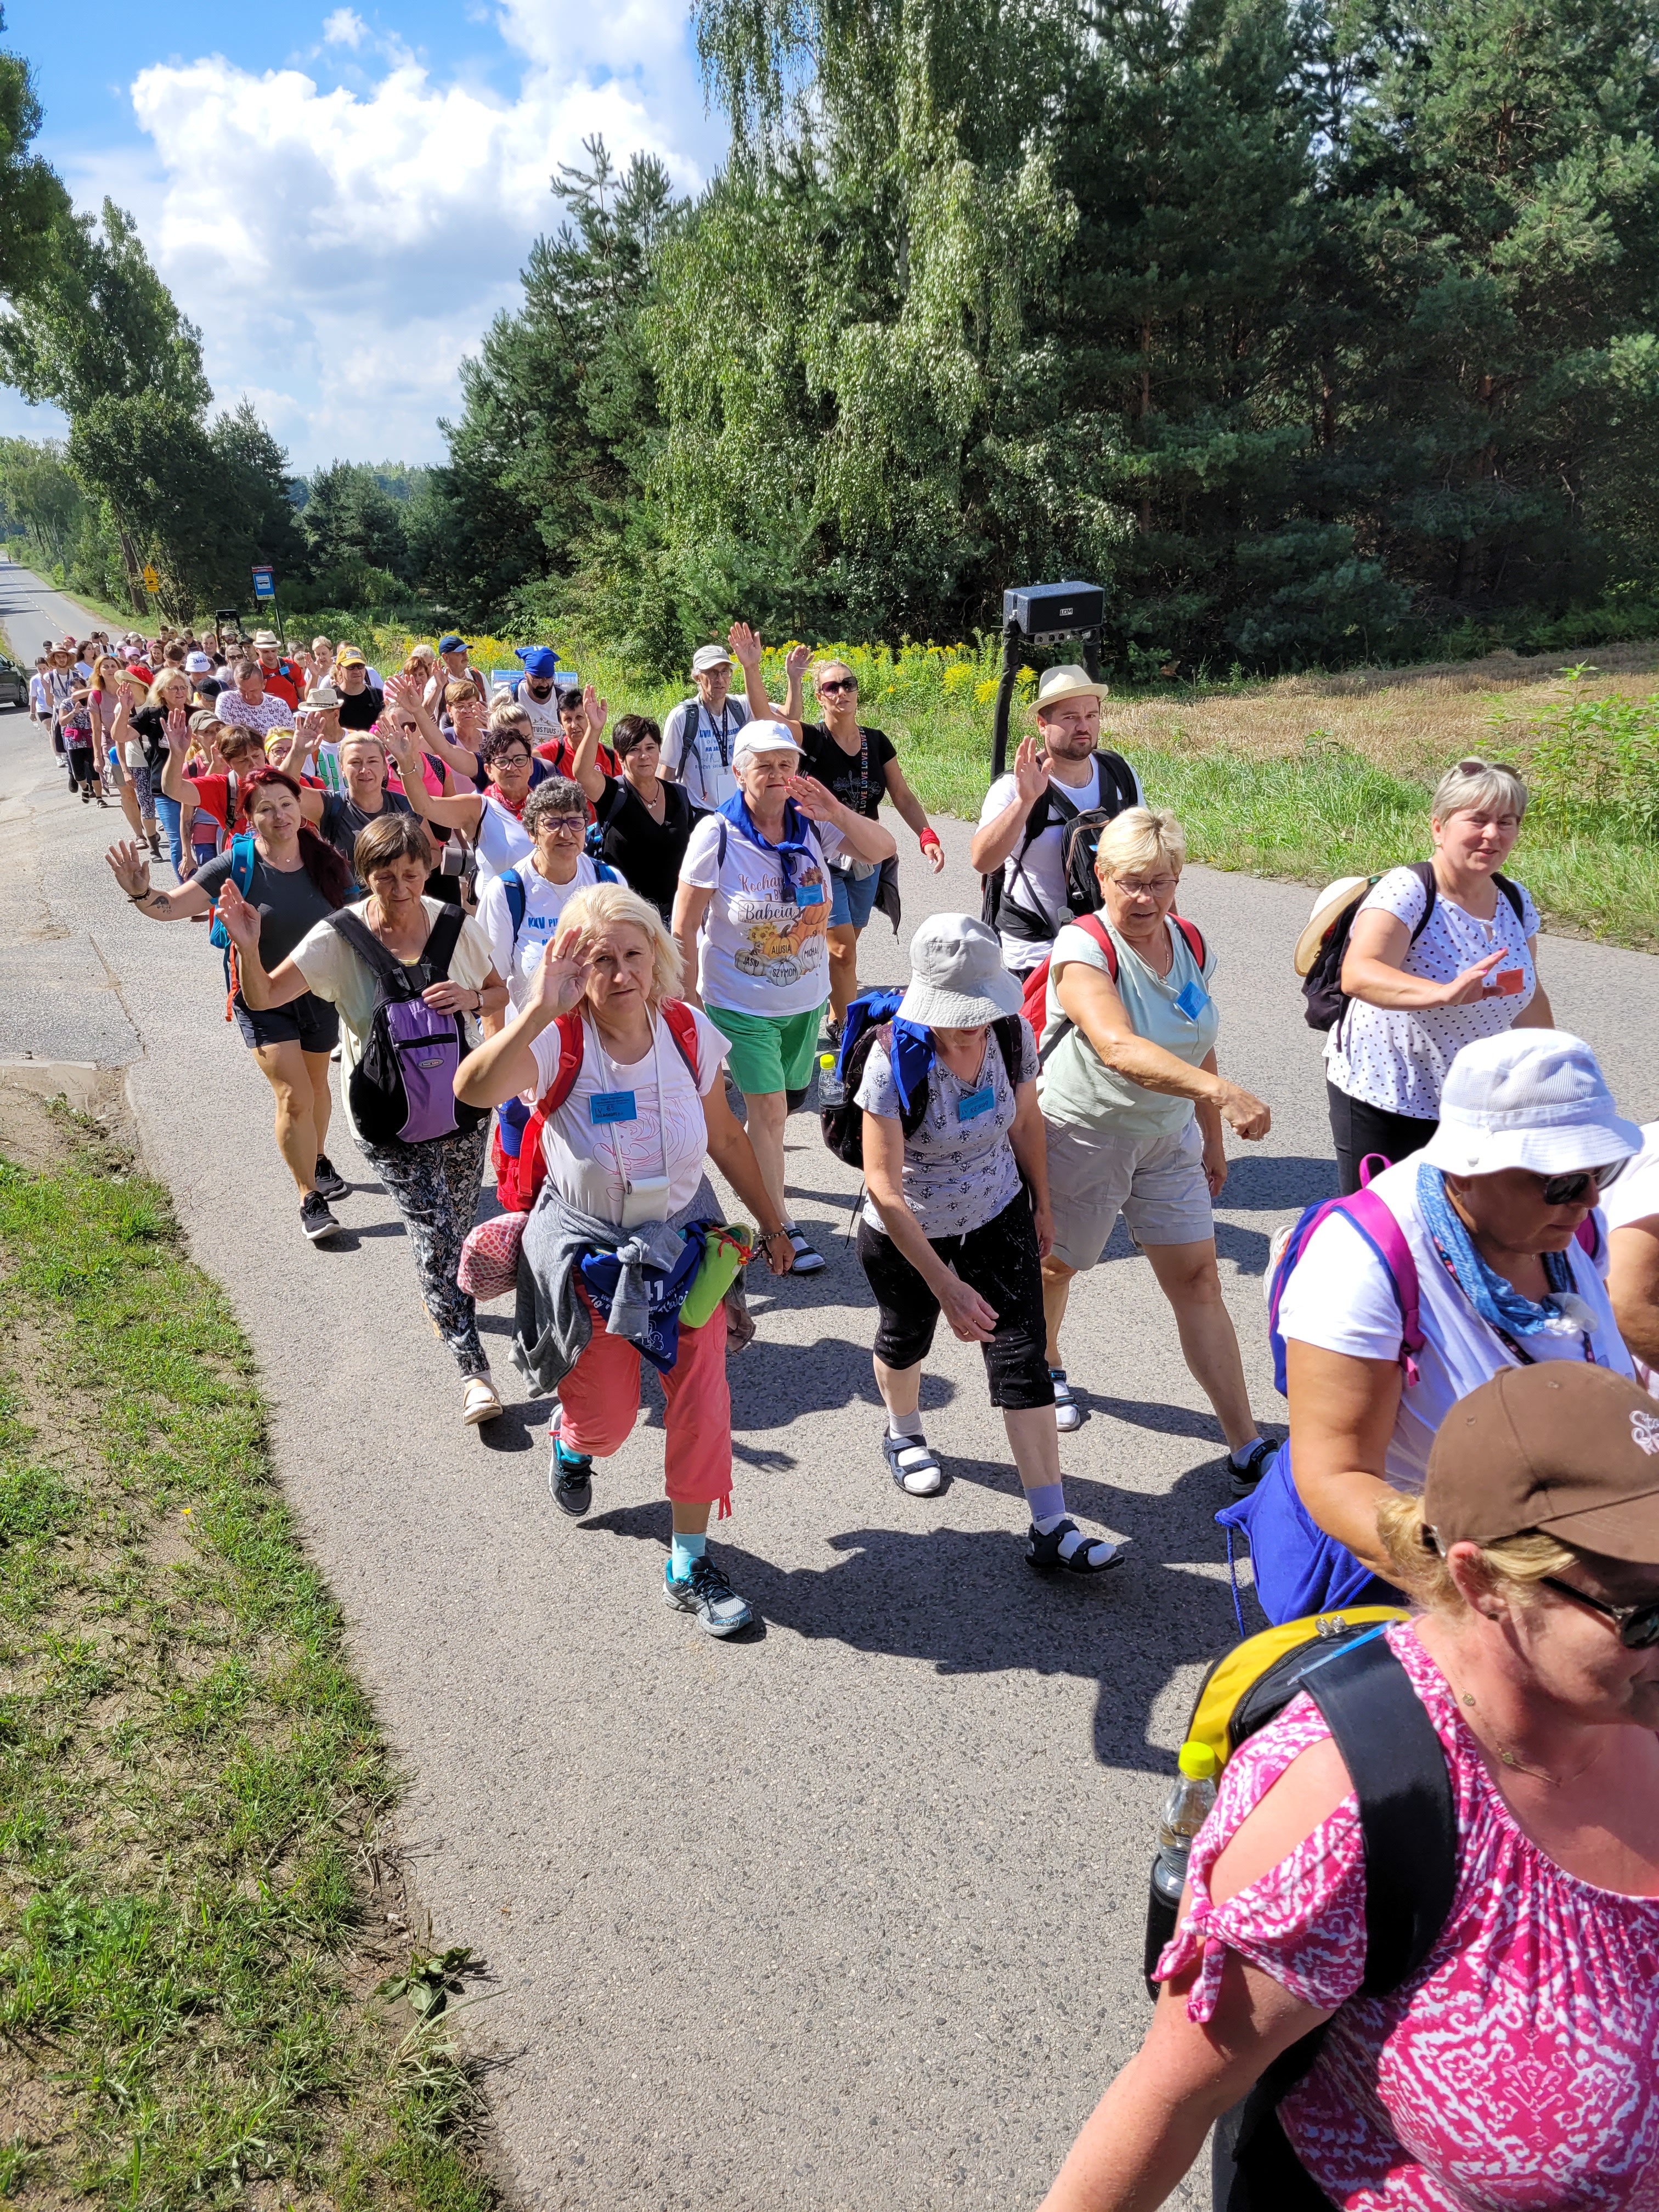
1568,1189
1639,1625
838,683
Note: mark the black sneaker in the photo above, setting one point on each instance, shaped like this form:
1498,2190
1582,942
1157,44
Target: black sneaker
1244,1479
569,1478
330,1181
706,1594
315,1219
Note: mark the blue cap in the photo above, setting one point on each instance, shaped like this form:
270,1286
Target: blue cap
538,659
451,643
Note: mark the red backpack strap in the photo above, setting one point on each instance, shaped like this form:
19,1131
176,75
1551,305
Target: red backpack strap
683,1028
1194,937
1102,937
532,1168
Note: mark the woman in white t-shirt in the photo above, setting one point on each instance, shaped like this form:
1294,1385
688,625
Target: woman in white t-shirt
1438,955
1491,1212
756,882
626,1151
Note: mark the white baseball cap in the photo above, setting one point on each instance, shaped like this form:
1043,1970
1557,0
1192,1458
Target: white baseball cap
763,738
1528,1098
709,656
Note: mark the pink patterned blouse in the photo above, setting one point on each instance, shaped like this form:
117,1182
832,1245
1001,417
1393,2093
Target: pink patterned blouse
1519,2071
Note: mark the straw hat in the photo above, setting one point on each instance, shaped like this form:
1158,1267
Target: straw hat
1326,909
1066,683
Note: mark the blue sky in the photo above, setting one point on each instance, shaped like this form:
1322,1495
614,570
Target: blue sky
342,204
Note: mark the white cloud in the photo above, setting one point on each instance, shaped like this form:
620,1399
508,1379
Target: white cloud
342,246
344,27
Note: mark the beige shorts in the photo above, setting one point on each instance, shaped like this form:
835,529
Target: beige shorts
1156,1183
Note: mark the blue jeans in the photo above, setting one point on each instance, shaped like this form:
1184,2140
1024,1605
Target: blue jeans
167,812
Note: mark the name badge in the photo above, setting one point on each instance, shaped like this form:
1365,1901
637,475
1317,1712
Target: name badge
809,894
612,1106
973,1103
1191,1000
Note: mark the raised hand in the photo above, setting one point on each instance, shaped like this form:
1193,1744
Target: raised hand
129,868
561,980
597,710
815,799
1030,774
795,660
403,689
178,730
241,920
743,645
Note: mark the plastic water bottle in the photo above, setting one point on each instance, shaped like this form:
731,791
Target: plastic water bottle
831,1089
1184,1814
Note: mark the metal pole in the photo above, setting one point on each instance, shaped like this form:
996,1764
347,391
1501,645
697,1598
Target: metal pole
1012,634
1092,655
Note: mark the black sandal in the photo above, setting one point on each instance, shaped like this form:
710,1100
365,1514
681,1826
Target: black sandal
911,1455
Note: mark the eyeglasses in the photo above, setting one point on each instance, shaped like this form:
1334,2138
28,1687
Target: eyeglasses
837,683
1568,1189
1158,887
565,826
511,760
1639,1625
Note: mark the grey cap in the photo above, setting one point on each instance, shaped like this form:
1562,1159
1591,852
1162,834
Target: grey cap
957,981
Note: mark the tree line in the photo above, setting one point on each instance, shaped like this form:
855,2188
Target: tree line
1315,330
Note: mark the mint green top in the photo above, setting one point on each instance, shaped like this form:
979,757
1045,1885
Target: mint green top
1076,1086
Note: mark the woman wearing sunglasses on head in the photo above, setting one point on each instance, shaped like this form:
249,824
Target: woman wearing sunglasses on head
1439,954
1496,1217
1517,2061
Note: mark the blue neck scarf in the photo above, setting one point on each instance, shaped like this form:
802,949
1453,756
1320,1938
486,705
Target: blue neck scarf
1498,1303
791,846
912,1058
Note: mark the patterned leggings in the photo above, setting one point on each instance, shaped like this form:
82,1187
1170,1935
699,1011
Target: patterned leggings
435,1185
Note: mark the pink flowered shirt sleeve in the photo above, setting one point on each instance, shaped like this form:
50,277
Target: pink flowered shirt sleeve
1303,1921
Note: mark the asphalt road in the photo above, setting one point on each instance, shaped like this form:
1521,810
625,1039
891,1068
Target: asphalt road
848,1915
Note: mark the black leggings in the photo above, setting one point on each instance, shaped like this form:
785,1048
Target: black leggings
1357,1129
1000,1262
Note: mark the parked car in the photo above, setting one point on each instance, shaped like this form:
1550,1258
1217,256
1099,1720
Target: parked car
14,685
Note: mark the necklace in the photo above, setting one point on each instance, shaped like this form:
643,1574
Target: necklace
1508,1758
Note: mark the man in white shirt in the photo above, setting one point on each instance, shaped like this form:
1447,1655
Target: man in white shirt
700,733
1061,773
537,692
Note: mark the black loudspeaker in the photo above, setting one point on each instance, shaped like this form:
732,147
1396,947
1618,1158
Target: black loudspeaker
1047,612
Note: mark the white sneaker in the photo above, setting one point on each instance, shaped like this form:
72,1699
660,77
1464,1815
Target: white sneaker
479,1401
1068,1414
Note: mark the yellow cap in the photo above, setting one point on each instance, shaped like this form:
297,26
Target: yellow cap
1197,1760
826,1060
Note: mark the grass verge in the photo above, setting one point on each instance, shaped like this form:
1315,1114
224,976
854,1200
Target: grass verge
195,1907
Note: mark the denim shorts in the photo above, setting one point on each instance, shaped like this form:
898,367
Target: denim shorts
308,1022
852,898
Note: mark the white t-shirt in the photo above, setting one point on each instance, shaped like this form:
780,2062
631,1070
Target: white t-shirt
1397,1057
544,714
502,840
706,768
763,950
543,902
1341,1297
1039,879
1635,1196
588,1162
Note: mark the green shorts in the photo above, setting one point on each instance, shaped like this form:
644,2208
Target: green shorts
769,1052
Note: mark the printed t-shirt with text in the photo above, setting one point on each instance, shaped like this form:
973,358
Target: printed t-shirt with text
764,949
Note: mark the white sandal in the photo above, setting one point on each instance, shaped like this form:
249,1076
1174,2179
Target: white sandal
479,1401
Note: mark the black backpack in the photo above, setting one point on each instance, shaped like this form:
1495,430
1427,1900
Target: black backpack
1001,911
1321,986
401,1091
844,1124
1408,1827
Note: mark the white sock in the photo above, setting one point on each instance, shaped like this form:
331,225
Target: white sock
1097,1549
904,1425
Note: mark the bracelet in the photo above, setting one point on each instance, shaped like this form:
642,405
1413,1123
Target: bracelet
927,837
138,898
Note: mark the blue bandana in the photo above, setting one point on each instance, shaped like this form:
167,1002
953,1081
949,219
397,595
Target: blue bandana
1498,1303
793,843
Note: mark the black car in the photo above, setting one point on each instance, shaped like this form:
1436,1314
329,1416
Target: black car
14,685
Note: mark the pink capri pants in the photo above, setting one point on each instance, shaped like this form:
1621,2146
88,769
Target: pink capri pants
600,1398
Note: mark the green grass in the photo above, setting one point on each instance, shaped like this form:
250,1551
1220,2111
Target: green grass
191,1781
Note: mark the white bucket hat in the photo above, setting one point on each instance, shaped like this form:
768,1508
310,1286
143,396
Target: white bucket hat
1528,1098
957,981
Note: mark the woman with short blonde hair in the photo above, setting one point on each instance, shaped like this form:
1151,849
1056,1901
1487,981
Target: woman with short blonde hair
1135,1107
633,1106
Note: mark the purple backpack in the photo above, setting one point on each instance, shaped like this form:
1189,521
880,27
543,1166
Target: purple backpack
402,1089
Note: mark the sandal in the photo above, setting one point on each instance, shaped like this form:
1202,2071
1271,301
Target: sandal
912,1465
1082,1555
479,1401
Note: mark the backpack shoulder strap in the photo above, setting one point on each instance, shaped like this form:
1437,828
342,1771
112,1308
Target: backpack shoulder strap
1007,1031
1424,871
604,872
720,844
442,938
1194,937
683,1028
1511,891
1102,937
571,1044
1406,1819
370,949
241,862
1122,776
513,885
1374,1218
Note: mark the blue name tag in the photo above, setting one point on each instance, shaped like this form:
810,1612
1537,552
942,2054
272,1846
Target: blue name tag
612,1106
1191,1000
809,894
973,1103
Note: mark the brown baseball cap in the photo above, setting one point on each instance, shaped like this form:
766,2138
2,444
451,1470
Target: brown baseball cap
1561,1446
